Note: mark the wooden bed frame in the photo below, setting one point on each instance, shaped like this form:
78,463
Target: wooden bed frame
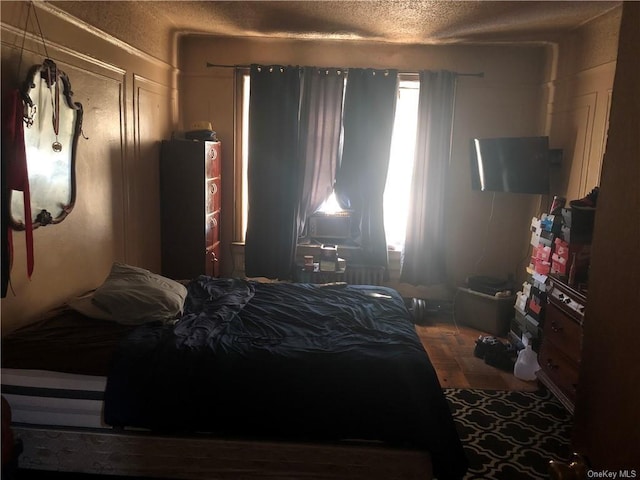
198,457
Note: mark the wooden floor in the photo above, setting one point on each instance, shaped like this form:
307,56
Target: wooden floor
450,348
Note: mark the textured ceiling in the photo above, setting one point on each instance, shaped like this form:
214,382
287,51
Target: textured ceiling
402,22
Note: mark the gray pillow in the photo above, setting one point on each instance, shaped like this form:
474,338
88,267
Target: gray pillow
133,296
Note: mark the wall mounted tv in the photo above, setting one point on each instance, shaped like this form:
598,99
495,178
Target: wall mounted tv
510,164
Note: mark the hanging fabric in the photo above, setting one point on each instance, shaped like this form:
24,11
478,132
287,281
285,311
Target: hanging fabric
319,144
424,254
369,112
14,162
273,172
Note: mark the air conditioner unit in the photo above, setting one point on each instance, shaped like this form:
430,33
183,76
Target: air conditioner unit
335,226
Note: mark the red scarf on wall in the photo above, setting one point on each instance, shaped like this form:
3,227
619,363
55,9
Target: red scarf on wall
14,157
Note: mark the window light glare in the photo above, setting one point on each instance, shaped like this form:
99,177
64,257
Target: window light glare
330,206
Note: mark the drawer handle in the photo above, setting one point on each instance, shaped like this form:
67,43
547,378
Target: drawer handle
555,327
213,222
551,365
214,189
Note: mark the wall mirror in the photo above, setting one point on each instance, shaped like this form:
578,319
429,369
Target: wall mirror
52,125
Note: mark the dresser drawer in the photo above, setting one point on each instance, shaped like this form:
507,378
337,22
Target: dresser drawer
212,160
212,260
559,368
212,228
563,332
213,200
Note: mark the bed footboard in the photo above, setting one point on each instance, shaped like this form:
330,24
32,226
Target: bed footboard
142,454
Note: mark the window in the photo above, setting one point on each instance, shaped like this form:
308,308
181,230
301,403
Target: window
397,189
403,140
246,90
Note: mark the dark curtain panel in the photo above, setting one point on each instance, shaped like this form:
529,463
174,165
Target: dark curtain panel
5,259
320,128
424,254
273,172
369,110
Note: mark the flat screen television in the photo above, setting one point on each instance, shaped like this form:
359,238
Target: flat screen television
510,164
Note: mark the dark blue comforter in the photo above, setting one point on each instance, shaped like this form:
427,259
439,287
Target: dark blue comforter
288,361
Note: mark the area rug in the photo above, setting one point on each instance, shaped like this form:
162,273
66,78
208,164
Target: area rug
509,435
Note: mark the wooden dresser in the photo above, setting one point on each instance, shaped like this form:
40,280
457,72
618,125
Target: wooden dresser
190,174
559,355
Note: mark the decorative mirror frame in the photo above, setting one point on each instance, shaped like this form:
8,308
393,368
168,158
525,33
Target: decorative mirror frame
56,81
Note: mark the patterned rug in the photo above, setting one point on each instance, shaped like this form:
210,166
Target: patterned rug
510,435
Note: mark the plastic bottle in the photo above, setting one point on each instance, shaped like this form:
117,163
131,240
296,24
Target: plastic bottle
526,365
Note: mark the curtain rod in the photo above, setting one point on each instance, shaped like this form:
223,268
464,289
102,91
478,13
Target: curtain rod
214,65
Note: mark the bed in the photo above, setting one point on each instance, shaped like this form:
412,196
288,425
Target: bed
250,380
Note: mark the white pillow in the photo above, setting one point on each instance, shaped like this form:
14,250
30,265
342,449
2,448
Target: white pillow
84,304
133,296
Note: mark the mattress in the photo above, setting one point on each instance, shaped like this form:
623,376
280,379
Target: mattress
41,397
43,378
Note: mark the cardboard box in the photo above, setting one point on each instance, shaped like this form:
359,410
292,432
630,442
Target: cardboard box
547,238
542,252
483,312
559,267
521,300
561,248
525,330
536,228
541,267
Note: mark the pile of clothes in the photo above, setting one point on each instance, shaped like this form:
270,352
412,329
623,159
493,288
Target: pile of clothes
496,353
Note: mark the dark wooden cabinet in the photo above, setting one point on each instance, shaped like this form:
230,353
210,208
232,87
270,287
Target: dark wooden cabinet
561,346
190,197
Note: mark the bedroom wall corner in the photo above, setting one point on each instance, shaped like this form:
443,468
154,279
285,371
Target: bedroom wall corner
578,109
129,100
